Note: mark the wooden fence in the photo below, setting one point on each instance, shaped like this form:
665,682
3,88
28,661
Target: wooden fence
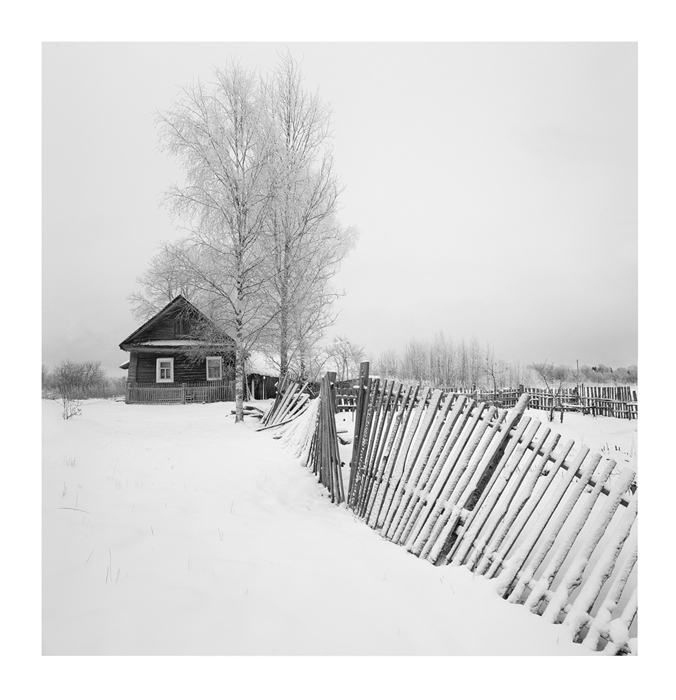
194,392
346,396
613,401
456,480
311,435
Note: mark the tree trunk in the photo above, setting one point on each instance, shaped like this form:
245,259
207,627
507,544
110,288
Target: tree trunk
240,349
284,329
239,380
283,339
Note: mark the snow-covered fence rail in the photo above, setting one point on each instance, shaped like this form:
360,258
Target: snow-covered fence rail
458,481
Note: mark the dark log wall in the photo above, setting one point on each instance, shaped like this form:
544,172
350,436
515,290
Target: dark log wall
133,364
184,370
163,329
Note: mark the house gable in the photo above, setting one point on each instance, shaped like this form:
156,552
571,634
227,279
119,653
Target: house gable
177,324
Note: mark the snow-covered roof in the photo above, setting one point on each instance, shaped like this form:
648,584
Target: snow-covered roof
257,363
173,343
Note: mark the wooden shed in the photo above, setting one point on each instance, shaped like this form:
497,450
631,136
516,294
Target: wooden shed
262,377
179,356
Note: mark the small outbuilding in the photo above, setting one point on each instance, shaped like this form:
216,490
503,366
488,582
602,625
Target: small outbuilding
179,356
262,378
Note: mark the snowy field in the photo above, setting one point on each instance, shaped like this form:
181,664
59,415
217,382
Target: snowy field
169,530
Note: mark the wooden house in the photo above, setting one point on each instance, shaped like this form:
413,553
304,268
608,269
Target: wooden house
179,356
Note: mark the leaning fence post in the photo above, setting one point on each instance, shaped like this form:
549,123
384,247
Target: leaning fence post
360,416
332,386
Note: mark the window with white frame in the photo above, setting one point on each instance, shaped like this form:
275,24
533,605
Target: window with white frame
213,369
164,371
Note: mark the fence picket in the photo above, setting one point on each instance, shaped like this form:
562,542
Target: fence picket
378,421
503,526
390,404
445,516
388,456
499,523
448,476
428,477
618,629
362,400
573,575
394,458
410,461
591,589
549,473
513,566
546,579
423,468
601,624
478,515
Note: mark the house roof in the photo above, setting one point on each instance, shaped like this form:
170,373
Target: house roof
178,303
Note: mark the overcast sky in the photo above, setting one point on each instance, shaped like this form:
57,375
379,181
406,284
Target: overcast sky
494,187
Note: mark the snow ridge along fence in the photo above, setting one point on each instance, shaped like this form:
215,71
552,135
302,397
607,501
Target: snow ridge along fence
458,481
311,435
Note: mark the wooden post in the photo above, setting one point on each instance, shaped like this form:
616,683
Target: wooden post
360,416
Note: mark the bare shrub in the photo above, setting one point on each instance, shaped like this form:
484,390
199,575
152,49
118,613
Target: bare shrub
76,381
554,377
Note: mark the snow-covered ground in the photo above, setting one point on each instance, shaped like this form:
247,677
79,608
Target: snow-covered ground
613,437
169,530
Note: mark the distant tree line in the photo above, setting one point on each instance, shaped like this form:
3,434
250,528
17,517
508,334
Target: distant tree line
69,383
461,364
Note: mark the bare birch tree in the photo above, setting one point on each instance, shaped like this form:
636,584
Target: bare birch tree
344,357
415,361
493,369
307,242
554,378
163,281
387,365
223,138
